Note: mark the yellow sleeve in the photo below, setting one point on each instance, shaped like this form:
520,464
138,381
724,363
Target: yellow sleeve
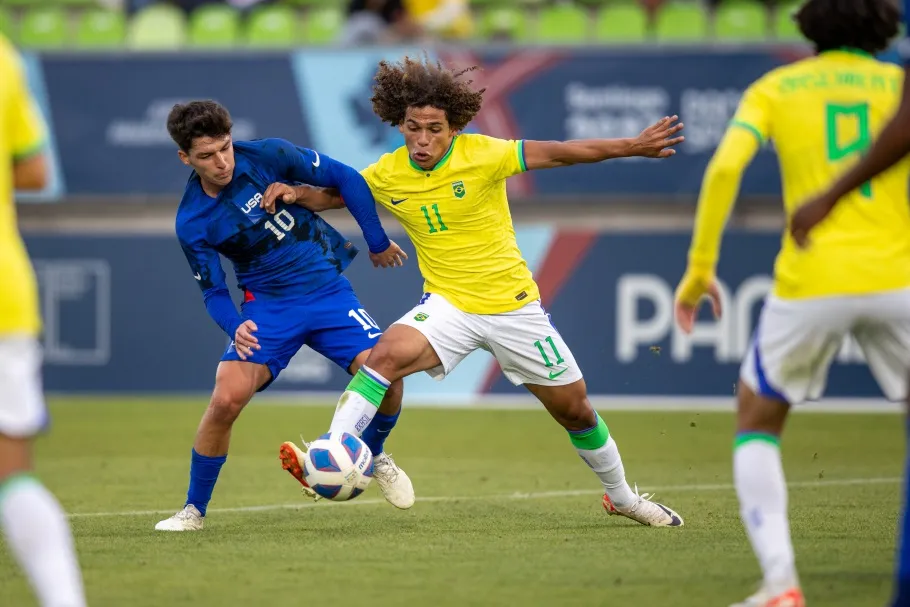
369,174
505,157
754,111
26,127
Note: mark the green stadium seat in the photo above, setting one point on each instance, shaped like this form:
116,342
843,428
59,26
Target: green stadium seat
7,24
320,3
323,25
157,27
504,22
742,20
43,28
562,23
681,22
597,3
785,27
272,26
214,26
101,28
621,23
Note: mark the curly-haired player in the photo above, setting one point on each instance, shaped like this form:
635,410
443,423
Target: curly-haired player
448,190
855,279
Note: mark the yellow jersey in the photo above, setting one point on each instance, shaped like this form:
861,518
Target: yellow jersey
822,113
460,27
457,216
21,135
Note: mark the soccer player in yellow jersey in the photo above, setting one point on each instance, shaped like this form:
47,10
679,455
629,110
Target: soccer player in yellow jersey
821,114
448,190
33,522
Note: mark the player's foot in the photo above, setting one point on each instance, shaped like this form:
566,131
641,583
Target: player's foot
291,457
646,512
785,595
395,485
188,519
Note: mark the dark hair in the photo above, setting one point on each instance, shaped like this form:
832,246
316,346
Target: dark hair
421,83
195,119
867,25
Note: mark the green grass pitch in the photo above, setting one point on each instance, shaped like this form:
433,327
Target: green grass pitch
507,513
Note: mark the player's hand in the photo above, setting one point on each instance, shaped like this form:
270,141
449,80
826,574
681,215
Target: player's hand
244,340
276,192
807,217
693,287
390,258
657,140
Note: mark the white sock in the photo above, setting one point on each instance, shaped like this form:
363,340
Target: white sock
39,536
762,490
360,401
607,464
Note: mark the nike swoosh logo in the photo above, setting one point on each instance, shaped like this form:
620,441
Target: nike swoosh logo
555,374
318,160
394,202
372,335
197,276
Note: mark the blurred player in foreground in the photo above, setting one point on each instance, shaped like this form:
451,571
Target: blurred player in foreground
892,146
448,190
289,266
34,524
821,113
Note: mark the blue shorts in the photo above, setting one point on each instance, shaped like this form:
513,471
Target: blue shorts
329,320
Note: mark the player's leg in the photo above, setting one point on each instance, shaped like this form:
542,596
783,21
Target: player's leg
787,363
33,522
901,593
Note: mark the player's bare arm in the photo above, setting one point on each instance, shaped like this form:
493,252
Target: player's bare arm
892,145
656,141
30,173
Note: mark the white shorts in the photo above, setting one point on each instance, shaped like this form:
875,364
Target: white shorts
796,340
22,409
525,343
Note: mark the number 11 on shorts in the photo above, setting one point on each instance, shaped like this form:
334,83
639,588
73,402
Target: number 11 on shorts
543,352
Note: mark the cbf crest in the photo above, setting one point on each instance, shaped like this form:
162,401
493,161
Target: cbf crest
458,189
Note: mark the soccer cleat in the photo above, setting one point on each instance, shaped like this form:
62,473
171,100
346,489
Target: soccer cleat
787,595
188,519
644,511
395,485
291,457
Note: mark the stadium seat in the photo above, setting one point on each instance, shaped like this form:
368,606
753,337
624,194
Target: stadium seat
323,25
504,22
214,26
562,23
160,26
681,22
7,25
272,26
785,27
101,28
44,27
745,20
621,23
320,3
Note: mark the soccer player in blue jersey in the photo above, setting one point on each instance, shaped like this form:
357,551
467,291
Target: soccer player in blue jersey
891,147
289,266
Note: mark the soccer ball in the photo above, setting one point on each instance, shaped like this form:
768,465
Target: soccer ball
338,466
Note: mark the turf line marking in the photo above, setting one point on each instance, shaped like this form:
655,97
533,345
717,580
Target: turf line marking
502,496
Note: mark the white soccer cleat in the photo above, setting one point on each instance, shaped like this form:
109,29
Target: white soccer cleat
786,595
644,511
395,485
291,457
188,519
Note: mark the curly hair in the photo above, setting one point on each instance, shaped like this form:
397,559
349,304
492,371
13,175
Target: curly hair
186,122
422,83
867,25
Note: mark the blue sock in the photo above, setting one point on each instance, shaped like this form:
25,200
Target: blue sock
902,574
378,430
203,475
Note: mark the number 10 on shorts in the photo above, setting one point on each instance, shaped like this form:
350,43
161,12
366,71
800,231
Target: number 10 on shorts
543,352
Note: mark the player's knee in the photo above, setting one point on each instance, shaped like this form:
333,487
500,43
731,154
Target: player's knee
387,360
225,408
578,414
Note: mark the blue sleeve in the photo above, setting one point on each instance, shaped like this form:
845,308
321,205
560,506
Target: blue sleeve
206,267
904,44
307,166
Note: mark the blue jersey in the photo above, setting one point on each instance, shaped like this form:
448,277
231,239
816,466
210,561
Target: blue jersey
904,45
291,252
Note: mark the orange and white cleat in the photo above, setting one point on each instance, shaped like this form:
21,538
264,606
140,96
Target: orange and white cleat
645,511
291,457
787,595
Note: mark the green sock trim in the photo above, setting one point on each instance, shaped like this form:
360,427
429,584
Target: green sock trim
19,478
592,438
748,437
367,387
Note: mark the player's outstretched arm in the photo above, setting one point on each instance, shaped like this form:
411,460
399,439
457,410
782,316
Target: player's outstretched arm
656,141
313,198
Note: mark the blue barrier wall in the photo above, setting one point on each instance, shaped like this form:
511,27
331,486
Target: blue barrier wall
124,314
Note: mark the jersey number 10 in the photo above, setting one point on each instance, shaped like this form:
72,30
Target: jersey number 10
862,137
284,221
